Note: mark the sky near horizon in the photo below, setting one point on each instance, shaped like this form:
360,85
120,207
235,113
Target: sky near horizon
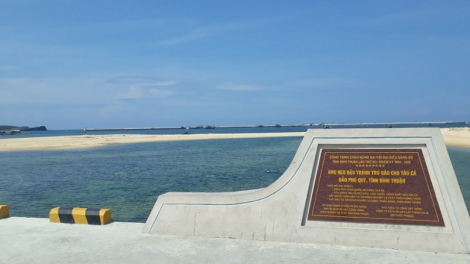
97,64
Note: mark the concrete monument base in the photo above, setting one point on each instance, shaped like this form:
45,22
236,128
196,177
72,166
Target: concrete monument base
383,188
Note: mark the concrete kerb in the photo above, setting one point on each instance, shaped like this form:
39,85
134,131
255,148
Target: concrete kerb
4,211
79,215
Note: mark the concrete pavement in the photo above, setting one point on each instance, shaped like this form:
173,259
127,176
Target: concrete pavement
36,240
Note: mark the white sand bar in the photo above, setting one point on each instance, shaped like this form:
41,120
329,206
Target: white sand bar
452,137
87,141
36,240
456,136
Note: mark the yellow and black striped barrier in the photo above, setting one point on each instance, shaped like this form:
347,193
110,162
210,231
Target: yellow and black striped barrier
4,211
80,216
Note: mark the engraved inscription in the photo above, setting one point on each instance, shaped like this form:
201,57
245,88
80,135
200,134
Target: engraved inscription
389,186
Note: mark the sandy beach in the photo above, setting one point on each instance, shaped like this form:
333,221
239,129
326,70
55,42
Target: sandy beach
87,141
456,136
452,137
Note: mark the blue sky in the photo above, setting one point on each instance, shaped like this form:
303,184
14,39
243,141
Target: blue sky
76,64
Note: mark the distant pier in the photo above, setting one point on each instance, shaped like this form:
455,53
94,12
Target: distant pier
134,128
311,125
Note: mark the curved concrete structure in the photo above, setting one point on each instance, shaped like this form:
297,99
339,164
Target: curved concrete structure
279,212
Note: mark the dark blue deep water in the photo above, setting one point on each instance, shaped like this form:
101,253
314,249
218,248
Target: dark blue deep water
128,178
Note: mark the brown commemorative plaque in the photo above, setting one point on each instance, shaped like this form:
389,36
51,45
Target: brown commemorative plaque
385,186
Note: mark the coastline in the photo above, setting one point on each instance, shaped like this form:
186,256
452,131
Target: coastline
452,137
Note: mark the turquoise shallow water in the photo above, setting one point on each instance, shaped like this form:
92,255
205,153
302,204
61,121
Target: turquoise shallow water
128,178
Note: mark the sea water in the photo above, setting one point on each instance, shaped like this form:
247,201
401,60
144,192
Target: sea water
229,130
128,178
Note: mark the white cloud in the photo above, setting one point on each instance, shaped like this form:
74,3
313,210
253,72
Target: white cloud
207,31
8,68
130,79
160,92
48,91
14,81
147,90
134,92
322,83
440,12
238,87
193,35
78,91
165,83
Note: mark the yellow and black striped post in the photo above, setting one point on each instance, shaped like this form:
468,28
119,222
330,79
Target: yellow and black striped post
4,211
80,216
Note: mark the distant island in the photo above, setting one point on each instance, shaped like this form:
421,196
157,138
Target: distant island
10,130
